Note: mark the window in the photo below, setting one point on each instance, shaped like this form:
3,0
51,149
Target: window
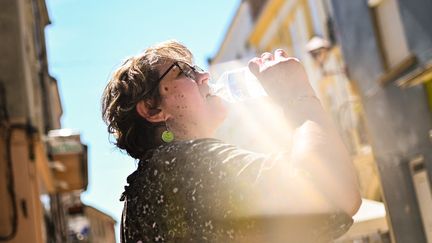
391,37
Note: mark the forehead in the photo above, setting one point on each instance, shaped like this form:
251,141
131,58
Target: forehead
173,65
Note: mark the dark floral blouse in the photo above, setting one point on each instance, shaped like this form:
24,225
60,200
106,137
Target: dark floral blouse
206,191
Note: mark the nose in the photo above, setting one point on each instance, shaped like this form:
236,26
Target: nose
202,77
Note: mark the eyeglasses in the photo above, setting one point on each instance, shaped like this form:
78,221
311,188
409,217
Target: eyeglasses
188,70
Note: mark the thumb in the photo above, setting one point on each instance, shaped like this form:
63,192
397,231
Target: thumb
254,66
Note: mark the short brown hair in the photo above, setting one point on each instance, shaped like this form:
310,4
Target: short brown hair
135,77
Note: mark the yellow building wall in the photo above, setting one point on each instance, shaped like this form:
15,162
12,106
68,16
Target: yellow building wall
30,226
5,201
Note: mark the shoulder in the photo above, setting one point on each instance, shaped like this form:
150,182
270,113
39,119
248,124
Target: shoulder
191,150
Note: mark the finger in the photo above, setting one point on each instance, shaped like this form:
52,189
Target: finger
280,54
267,56
254,65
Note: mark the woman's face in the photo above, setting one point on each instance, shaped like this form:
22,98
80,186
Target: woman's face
191,111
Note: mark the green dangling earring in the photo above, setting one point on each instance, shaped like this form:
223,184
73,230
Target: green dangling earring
167,135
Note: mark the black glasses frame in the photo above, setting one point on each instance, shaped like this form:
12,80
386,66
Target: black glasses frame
195,69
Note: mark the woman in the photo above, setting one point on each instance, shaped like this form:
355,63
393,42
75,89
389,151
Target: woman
190,187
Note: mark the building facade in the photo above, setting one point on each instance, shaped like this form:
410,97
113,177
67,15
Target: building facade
387,49
40,163
86,223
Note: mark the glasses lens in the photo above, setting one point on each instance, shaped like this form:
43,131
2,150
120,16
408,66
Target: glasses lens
198,69
187,70
190,71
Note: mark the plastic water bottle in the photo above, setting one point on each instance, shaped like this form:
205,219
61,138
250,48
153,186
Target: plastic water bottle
237,85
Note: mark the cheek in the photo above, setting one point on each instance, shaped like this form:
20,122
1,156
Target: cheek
182,102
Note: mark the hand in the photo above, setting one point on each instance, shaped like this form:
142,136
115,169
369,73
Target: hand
283,77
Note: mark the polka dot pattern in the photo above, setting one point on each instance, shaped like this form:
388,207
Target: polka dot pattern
200,191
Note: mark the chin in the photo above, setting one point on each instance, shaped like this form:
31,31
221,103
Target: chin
218,108
221,112
216,112
218,116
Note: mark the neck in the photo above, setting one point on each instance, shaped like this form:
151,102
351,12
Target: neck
183,132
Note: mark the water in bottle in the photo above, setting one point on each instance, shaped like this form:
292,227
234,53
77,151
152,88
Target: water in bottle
237,85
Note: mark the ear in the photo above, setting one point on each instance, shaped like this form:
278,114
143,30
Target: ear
146,111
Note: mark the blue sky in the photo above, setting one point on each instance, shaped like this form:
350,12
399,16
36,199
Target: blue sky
88,39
